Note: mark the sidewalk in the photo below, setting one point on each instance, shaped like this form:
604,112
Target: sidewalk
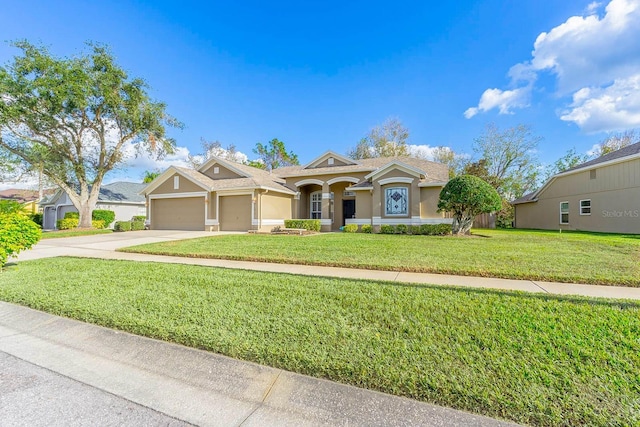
195,386
105,246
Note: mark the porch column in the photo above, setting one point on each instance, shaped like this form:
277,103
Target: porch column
326,208
376,206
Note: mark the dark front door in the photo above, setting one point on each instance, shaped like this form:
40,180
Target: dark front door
348,210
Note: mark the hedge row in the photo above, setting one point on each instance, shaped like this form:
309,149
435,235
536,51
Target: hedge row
307,224
70,223
136,224
424,229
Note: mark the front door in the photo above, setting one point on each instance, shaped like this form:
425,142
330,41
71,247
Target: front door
348,210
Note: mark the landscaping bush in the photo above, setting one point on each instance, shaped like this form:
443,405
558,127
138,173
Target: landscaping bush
68,222
401,229
72,215
37,218
350,228
97,223
17,232
434,229
122,226
137,225
307,224
138,218
387,229
366,228
104,215
10,206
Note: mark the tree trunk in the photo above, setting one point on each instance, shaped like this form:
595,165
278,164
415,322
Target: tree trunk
85,214
462,225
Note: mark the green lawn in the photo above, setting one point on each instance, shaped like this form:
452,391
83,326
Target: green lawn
74,233
534,359
605,259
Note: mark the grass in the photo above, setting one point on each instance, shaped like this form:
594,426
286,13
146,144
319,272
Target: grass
573,257
74,233
535,359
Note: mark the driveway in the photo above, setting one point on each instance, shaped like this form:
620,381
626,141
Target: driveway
94,244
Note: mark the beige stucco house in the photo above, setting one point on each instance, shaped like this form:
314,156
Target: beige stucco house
600,195
227,196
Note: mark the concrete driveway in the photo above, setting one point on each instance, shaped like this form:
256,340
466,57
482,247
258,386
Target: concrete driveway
81,245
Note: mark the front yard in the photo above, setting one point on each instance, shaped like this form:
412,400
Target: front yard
535,359
572,257
74,233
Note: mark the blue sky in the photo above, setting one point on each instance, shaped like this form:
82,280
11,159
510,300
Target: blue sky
319,75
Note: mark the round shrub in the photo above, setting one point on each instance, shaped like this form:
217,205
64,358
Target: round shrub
17,232
137,225
350,228
366,228
402,229
387,229
122,226
67,223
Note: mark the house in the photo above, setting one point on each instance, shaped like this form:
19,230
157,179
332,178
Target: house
226,196
121,197
27,198
600,195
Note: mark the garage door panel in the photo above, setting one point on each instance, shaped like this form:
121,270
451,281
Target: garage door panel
184,213
235,213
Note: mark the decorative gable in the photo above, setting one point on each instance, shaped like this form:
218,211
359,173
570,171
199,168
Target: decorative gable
330,159
218,171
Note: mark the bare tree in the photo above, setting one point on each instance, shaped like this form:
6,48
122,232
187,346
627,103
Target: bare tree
386,140
616,141
215,149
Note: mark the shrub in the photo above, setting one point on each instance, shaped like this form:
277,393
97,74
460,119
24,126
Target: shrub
137,225
17,232
350,228
138,218
366,228
122,226
37,218
72,215
10,206
104,215
402,229
387,229
68,222
467,196
307,224
97,223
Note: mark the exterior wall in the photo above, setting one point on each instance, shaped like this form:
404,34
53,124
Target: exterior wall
614,195
183,213
429,197
273,209
363,205
185,186
123,211
223,173
325,163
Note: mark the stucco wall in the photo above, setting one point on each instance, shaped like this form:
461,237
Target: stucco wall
223,173
275,206
363,204
185,186
429,197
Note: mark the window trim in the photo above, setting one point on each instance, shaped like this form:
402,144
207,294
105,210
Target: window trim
311,202
397,215
562,213
176,182
589,207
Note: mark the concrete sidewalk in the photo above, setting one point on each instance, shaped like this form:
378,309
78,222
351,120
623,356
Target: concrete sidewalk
105,245
192,386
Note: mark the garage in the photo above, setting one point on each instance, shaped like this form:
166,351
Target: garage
183,213
235,213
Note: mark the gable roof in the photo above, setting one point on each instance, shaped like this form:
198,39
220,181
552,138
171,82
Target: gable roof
434,172
233,166
622,155
116,192
19,195
315,162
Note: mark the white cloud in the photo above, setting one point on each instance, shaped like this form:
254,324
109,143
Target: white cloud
593,58
504,100
422,151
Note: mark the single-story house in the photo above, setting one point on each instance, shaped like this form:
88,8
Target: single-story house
600,195
121,197
227,196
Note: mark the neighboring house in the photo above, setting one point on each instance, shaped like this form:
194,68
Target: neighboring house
28,198
227,196
121,197
600,195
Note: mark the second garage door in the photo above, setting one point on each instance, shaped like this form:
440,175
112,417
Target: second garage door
235,213
185,213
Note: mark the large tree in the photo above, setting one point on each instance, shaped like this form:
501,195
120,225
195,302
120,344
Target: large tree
215,149
273,155
509,157
445,155
73,118
616,141
386,140
570,159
